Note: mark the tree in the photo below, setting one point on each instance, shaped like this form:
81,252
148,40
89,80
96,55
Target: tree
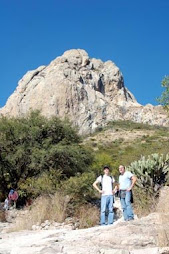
34,145
164,98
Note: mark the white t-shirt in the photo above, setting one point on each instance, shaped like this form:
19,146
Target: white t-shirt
125,180
107,184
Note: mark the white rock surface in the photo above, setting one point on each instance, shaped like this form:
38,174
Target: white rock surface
88,91
148,235
137,237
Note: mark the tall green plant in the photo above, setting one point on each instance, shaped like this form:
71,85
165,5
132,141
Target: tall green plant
164,98
33,145
152,172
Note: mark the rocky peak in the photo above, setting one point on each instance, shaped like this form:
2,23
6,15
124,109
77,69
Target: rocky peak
88,91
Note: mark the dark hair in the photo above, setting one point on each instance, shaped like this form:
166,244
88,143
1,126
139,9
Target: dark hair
106,167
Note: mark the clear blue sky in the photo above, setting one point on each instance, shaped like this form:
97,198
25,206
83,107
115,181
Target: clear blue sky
132,33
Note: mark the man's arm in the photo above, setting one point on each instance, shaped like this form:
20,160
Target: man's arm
96,187
116,188
133,181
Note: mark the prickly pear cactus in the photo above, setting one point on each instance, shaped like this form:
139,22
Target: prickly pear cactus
152,172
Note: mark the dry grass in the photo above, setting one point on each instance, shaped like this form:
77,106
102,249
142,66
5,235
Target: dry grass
163,210
144,204
125,136
88,216
53,208
2,216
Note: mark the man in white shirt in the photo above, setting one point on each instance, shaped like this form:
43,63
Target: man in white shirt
106,195
126,183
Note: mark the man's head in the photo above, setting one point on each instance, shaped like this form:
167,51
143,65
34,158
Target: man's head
121,169
11,191
106,170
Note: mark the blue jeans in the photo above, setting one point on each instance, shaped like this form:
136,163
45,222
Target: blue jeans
127,207
106,204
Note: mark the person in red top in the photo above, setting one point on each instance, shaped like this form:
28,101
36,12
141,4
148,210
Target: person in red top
13,197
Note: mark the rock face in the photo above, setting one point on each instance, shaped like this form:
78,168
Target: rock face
148,235
86,90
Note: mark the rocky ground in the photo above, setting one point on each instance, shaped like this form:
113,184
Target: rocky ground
148,235
137,237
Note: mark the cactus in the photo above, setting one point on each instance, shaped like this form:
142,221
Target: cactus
152,172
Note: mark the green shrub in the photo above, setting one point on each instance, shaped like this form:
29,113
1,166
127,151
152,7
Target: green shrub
46,183
34,145
80,188
129,125
101,159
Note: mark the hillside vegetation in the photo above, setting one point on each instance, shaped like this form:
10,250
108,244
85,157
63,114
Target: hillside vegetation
37,154
128,143
123,142
44,157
